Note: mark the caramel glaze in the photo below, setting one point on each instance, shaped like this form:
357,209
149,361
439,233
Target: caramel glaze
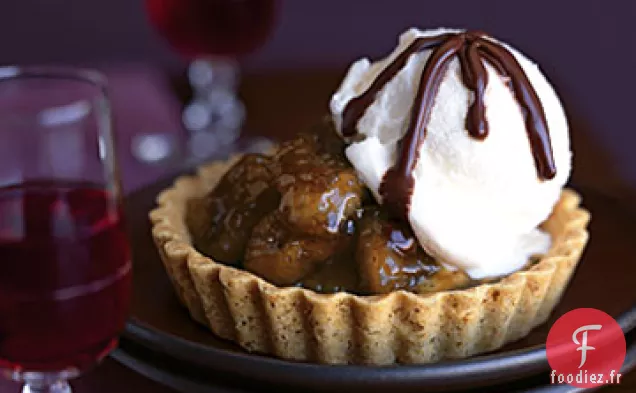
302,218
240,200
472,49
388,258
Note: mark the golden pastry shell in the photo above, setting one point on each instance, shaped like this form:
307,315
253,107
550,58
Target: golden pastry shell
343,328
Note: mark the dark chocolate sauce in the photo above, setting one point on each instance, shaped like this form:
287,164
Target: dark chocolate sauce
356,107
472,49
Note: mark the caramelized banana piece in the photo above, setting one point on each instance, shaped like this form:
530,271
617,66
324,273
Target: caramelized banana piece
282,256
243,196
319,189
389,258
318,202
319,192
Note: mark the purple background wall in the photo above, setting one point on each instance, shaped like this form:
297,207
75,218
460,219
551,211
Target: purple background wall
586,47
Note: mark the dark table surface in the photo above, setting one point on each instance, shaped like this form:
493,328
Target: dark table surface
269,96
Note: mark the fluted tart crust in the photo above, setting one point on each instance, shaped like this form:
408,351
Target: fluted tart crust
344,328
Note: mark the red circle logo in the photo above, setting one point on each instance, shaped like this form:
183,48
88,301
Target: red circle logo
585,349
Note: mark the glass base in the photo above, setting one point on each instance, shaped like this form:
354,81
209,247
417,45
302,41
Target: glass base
57,387
214,121
45,382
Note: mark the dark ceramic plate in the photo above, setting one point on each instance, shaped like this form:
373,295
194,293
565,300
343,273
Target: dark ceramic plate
186,379
604,280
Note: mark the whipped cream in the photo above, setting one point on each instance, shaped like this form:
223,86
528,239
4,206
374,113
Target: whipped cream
476,204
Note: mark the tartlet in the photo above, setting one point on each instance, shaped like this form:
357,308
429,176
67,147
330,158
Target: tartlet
446,204
343,328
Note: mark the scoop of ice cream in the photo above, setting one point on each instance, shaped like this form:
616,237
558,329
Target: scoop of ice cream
476,204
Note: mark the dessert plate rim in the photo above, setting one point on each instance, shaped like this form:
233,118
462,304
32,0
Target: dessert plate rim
509,365
143,361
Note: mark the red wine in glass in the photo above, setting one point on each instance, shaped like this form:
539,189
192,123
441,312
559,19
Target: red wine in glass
65,268
65,279
227,28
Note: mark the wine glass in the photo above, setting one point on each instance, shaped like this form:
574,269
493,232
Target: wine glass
65,269
214,35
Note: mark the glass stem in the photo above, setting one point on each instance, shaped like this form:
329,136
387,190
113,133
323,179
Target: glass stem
55,387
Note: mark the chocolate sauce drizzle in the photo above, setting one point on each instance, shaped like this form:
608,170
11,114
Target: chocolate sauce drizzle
472,49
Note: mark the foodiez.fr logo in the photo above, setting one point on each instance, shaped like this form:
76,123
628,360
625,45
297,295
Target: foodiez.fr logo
586,348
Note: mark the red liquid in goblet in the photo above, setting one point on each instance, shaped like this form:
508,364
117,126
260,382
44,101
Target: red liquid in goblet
217,27
64,275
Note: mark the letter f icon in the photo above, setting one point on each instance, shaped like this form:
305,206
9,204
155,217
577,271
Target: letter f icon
583,344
